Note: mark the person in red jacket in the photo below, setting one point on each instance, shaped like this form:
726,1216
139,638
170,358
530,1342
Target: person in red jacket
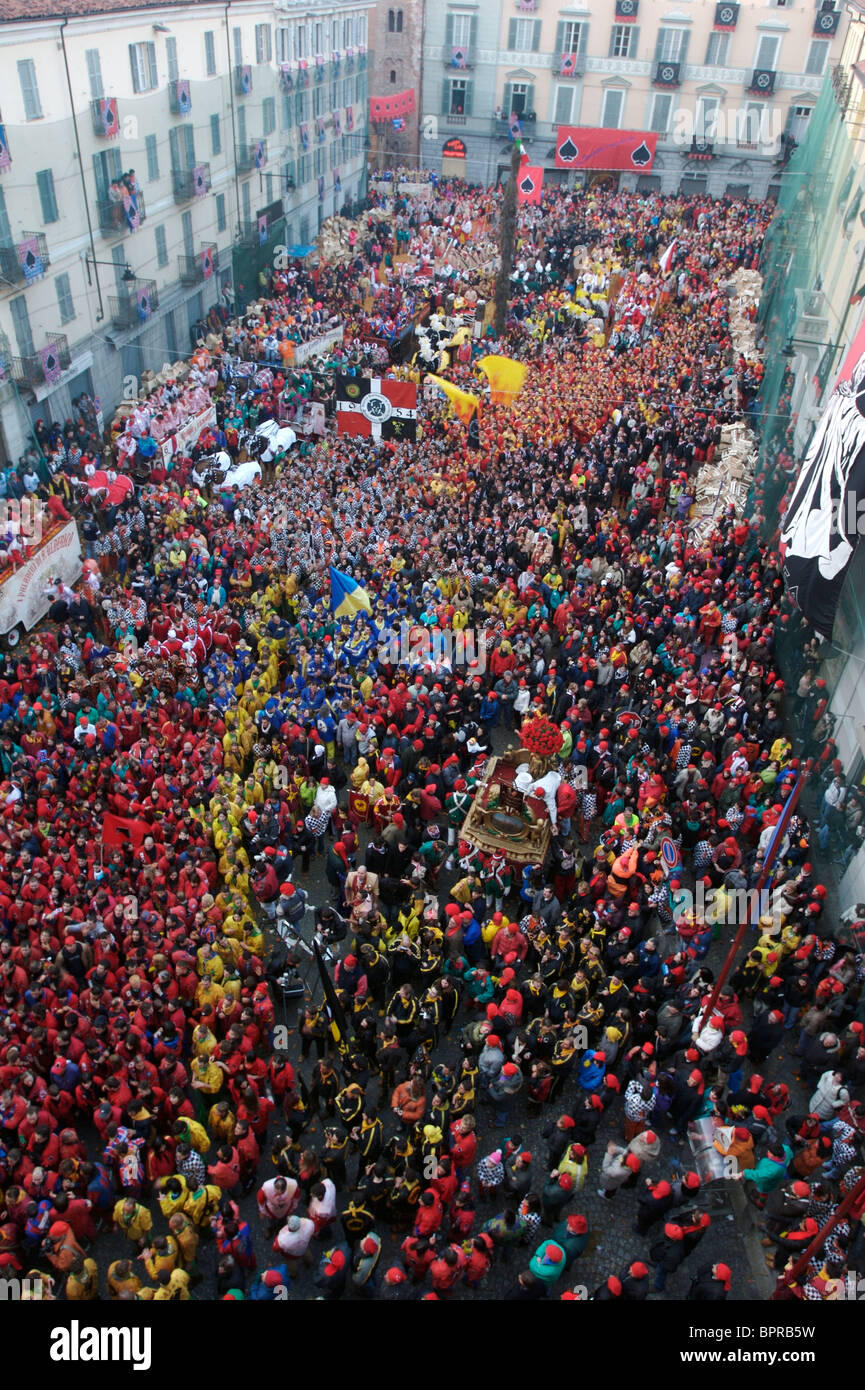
430,1213
447,1269
463,1145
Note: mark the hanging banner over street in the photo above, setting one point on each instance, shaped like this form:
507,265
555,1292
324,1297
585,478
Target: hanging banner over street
581,147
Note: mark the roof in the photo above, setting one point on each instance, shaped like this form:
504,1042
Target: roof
79,9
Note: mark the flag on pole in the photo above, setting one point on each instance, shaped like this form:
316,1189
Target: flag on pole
347,597
530,181
667,258
336,1014
464,403
376,407
505,376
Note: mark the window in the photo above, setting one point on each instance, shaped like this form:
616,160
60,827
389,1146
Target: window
181,140
65,302
301,106
288,110
241,126
611,108
237,40
94,73
393,77
318,101
572,37
717,50
215,135
564,103
399,21
5,226
45,184
301,41
672,45
221,222
21,324
524,35
186,228
304,169
151,152
623,41
320,164
458,96
142,60
767,53
107,168
29,89
263,43
460,31
662,107
818,52
245,202
797,122
161,247
749,124
283,44
171,58
288,178
268,115
209,53
518,99
707,118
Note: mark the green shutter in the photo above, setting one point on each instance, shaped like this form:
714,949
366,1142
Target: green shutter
151,63
473,31
508,100
683,56
467,104
560,40
530,97
612,52
536,35
449,36
584,38
446,96
634,46
512,35
659,46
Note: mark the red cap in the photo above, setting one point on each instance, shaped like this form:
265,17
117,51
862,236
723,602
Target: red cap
638,1269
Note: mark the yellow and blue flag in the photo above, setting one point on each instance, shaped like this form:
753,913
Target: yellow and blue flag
347,597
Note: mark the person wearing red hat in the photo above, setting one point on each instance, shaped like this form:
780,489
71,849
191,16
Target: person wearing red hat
667,1253
548,1263
618,1169
710,1284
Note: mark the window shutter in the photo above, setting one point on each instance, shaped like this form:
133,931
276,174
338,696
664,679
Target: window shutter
446,96
473,31
5,225
659,46
560,39
584,39
508,100
151,62
530,97
171,57
174,146
449,36
512,35
467,104
133,63
29,89
189,138
683,51
633,47
94,74
536,35
613,33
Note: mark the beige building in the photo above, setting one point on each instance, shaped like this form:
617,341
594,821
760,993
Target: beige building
719,83
237,127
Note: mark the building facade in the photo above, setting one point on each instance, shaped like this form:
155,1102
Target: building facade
396,38
238,127
720,84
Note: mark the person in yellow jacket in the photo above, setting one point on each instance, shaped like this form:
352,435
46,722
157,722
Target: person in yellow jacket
122,1279
133,1220
208,991
161,1254
206,1078
82,1281
204,1043
202,1203
173,1287
221,1121
183,1230
574,1162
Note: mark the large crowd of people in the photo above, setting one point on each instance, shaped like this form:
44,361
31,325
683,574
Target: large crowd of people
207,775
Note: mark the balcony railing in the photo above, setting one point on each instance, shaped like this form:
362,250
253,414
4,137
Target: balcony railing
25,261
46,365
460,56
135,307
195,269
105,118
191,183
117,220
251,156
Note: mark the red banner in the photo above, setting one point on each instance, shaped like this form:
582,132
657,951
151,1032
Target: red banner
123,830
530,181
397,104
580,147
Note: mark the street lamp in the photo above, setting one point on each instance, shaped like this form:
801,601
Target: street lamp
128,277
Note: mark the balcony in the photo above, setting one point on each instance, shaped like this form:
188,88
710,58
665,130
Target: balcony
116,220
701,150
243,80
25,261
571,64
135,307
251,156
179,98
106,121
46,365
762,82
460,57
667,74
191,183
194,270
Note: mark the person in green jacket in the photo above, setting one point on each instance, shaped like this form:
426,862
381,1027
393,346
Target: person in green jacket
572,1234
548,1263
771,1171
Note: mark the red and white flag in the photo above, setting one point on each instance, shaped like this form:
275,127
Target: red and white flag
376,407
667,258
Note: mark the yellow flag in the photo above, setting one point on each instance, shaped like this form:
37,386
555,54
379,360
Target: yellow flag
505,376
463,402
